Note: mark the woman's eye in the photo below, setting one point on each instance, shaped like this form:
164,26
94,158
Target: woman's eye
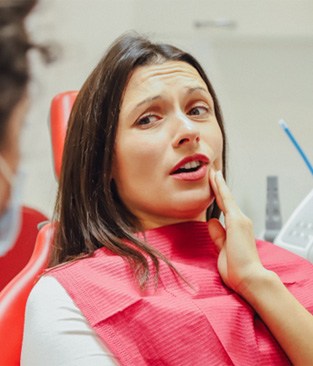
146,120
198,111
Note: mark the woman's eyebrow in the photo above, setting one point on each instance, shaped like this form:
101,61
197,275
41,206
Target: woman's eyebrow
191,90
147,100
202,90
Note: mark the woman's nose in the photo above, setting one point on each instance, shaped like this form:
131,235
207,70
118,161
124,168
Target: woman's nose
187,132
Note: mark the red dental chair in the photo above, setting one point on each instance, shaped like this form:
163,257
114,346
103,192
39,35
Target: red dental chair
60,111
14,295
12,262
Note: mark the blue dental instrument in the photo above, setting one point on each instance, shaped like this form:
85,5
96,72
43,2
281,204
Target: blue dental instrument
285,127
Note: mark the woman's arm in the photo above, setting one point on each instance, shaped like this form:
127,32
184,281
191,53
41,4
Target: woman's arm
241,269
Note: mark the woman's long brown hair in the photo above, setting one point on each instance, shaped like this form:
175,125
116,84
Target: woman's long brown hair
88,210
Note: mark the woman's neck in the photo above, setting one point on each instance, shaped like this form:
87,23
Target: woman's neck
185,240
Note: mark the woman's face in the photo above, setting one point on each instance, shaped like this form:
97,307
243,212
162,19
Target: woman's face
168,139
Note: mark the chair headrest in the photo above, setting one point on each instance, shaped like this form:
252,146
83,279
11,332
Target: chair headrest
60,111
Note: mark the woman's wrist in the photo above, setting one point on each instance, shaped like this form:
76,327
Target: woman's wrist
260,287
289,322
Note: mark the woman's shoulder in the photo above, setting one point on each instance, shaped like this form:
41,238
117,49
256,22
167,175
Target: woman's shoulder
46,289
98,269
291,268
100,259
276,255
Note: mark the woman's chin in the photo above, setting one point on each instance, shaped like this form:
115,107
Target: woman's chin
192,211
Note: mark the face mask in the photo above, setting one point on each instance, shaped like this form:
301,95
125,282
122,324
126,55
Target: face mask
10,221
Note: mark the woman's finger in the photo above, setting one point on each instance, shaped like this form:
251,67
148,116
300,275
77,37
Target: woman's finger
215,189
225,196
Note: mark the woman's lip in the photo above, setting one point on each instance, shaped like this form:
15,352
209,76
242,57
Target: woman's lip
192,176
196,157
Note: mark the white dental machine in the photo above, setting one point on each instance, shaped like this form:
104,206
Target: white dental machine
297,233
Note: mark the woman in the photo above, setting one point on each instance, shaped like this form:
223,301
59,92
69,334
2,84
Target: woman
15,45
139,276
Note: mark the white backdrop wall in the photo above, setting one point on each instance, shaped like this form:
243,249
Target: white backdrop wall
261,74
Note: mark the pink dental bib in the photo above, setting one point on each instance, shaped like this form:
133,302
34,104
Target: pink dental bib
203,323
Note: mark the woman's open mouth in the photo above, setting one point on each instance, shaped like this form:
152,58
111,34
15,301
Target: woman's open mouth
191,168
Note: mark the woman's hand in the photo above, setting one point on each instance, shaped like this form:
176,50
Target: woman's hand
241,269
238,263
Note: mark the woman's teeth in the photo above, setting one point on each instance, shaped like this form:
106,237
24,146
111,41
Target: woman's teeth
191,165
188,167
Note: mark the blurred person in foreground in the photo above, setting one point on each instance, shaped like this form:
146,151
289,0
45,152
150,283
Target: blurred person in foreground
18,225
